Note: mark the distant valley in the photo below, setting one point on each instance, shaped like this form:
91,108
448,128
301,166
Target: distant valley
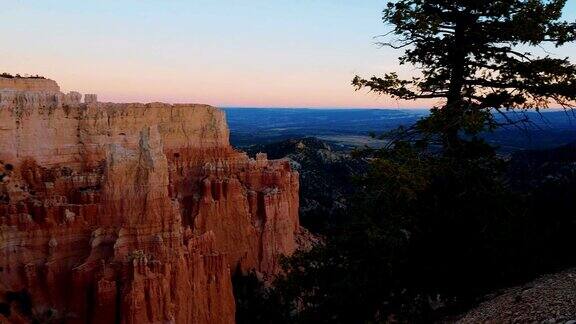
348,128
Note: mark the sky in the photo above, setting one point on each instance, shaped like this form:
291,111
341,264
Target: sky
239,53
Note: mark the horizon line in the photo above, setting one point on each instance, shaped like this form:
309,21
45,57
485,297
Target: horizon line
542,110
321,108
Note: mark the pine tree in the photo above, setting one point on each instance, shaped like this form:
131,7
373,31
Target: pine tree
473,59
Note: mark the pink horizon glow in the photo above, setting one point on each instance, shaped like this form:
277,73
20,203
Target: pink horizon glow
258,53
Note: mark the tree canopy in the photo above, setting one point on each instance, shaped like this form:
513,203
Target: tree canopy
473,58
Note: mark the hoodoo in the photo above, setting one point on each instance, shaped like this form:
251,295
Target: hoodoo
130,213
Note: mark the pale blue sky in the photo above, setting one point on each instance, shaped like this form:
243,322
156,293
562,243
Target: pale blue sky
298,53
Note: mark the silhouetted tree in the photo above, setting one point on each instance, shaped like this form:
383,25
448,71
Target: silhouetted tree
472,57
427,233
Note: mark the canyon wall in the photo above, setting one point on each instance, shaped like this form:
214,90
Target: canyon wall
130,213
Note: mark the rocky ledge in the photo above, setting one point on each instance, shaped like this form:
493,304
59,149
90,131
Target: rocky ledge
548,299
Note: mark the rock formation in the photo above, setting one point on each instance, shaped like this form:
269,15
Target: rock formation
130,213
326,178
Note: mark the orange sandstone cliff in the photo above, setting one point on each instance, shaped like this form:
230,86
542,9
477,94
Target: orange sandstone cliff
130,213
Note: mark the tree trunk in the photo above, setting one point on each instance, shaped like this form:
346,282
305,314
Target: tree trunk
454,109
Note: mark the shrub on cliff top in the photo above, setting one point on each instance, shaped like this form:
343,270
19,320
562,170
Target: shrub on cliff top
10,76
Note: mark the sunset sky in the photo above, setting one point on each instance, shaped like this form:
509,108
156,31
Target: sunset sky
249,53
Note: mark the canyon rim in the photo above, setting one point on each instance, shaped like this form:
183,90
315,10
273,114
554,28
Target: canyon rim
131,213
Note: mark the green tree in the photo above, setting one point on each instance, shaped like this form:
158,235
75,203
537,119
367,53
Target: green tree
472,57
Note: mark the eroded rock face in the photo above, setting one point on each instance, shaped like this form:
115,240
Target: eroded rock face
131,213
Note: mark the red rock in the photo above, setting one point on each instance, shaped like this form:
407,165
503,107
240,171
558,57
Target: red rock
136,213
